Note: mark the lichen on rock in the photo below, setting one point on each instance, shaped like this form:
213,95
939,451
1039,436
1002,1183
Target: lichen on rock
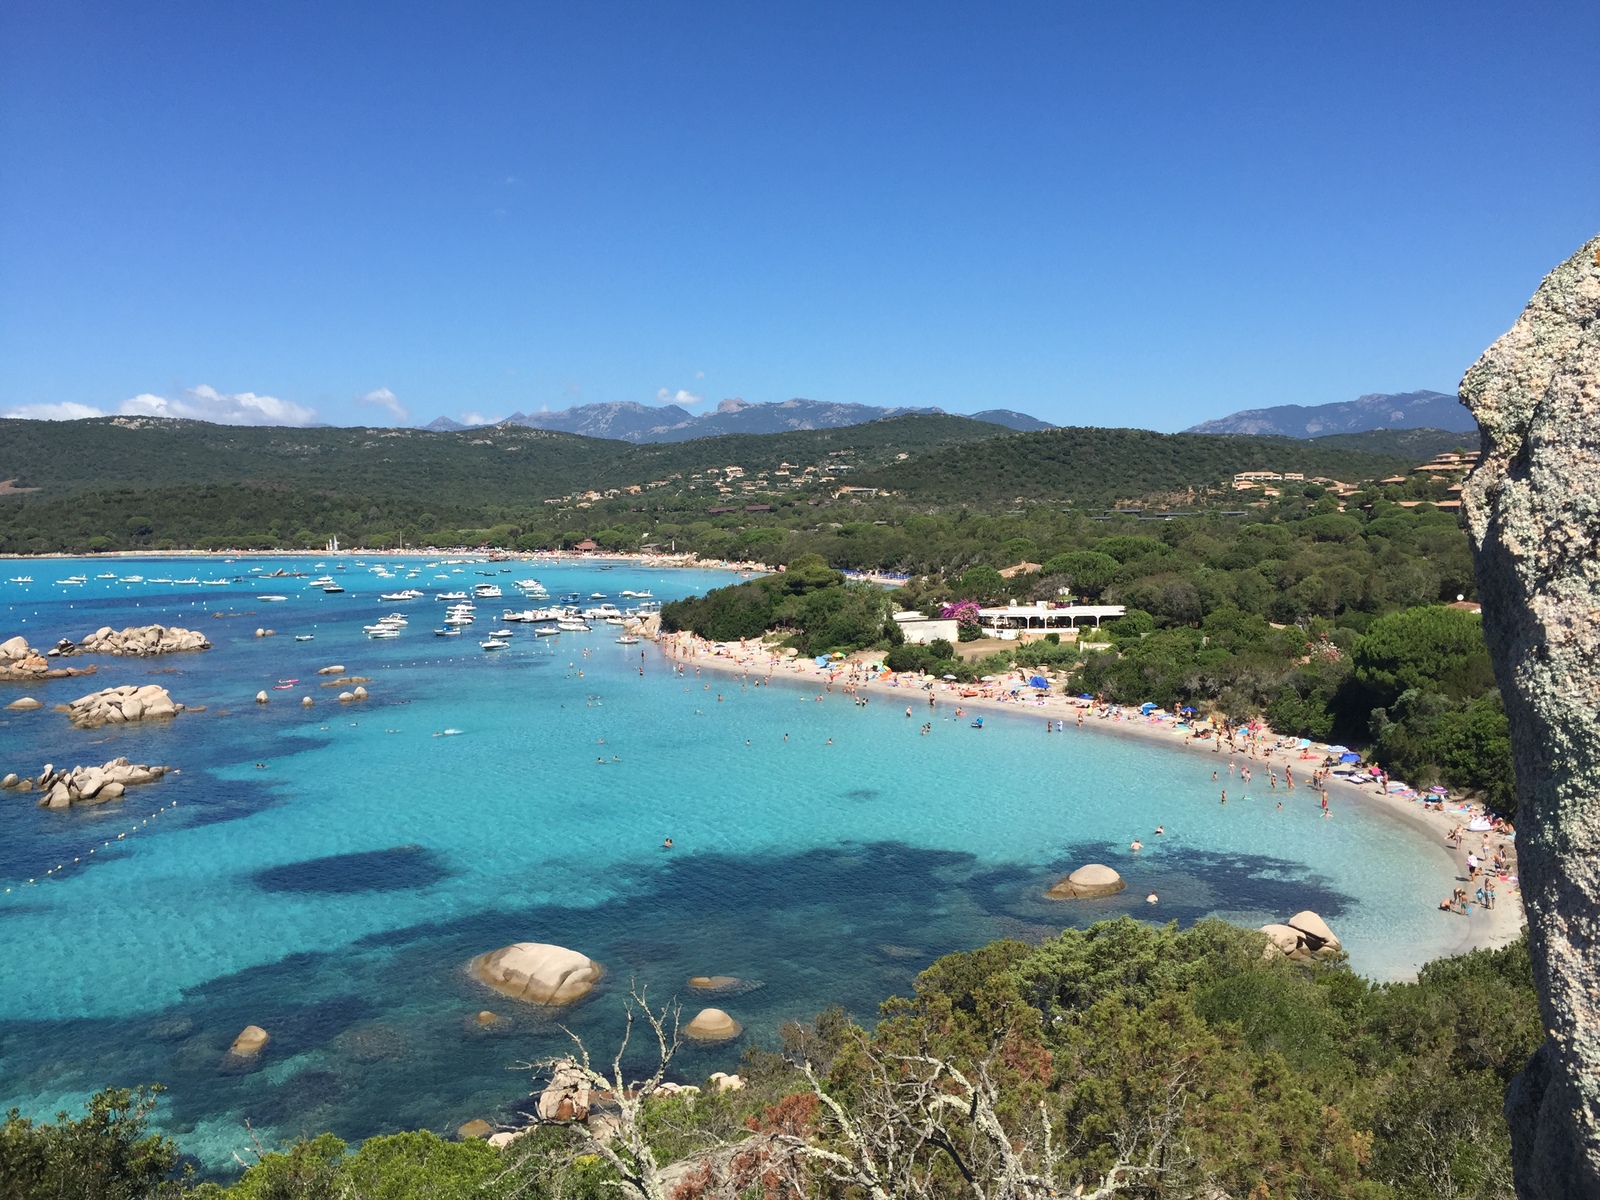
1532,508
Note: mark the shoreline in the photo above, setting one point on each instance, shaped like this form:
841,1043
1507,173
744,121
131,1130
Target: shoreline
1481,928
553,557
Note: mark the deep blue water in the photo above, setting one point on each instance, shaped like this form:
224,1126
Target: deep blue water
333,894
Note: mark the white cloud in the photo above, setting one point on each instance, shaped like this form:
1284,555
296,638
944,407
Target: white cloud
668,396
477,418
67,411
385,399
205,403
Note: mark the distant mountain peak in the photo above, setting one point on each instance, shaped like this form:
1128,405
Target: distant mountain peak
1376,410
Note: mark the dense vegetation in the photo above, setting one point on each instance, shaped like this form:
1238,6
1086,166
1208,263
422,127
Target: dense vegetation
160,484
1201,1066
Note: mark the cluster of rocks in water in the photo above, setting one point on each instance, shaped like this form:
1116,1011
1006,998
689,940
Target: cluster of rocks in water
118,705
20,662
136,641
84,785
554,976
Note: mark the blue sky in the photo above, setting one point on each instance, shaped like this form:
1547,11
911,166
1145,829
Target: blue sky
1117,214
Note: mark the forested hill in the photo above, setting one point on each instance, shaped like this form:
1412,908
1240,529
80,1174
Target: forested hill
1089,465
496,465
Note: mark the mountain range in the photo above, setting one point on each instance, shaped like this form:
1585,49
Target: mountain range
1399,410
639,423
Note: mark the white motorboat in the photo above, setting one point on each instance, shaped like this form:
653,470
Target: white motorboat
458,621
333,589
190,582
107,575
131,579
597,595
20,579
73,580
451,596
487,591
546,631
627,639
304,637
494,644
447,633
383,631
636,595
272,599
602,612
570,625
397,597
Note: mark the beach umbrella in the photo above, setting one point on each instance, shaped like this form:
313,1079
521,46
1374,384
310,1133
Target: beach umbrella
949,677
988,679
1440,791
1039,681
1349,757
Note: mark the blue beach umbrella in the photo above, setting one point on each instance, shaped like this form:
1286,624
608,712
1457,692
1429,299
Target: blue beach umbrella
1349,758
1039,681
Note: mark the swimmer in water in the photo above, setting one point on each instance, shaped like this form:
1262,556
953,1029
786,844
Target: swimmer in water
667,845
1136,845
1161,829
1224,795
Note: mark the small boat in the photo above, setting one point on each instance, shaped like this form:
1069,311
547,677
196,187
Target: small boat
190,582
384,632
447,633
20,579
500,633
73,579
546,632
494,644
288,682
636,595
272,599
216,582
451,596
570,625
455,620
282,687
978,724
597,595
107,575
333,589
487,591
162,579
304,637
627,639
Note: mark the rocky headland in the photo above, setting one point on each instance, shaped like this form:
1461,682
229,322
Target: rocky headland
21,663
136,641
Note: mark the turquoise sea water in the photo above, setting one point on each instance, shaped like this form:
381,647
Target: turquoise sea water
333,894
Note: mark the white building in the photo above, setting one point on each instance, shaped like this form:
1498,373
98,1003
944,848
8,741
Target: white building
922,629
1011,621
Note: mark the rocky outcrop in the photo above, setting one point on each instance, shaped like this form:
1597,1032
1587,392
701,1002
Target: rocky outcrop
1533,513
245,1052
136,641
566,1096
118,705
537,972
20,662
1303,937
723,985
1087,882
86,785
712,1025
25,704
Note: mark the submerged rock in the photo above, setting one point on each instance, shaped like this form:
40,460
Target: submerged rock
537,972
723,985
1532,509
252,1040
1086,883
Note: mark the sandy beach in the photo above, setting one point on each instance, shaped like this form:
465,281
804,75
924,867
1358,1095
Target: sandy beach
1479,928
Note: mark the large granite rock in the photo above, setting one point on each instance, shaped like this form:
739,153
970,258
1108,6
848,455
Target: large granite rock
1086,883
538,973
712,1025
1533,512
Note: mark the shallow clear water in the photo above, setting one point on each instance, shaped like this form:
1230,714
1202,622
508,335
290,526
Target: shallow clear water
333,894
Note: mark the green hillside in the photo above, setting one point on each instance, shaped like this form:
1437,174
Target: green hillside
1418,444
504,464
1089,465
